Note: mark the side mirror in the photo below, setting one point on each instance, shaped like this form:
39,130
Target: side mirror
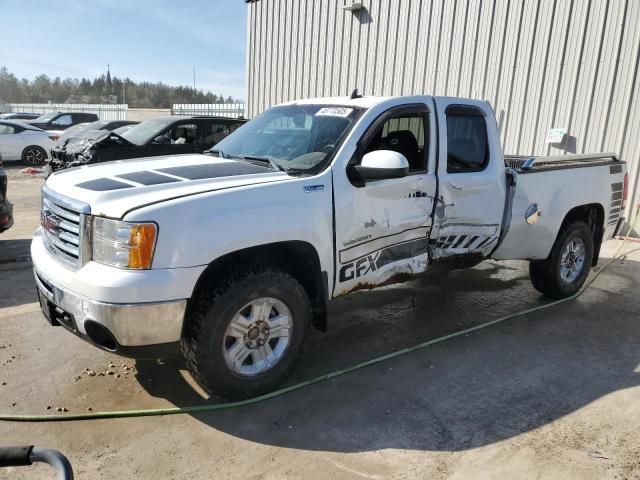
162,140
382,164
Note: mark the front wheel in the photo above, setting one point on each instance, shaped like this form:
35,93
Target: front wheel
244,335
564,272
34,156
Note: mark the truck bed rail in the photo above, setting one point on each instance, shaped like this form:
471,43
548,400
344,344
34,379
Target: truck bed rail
526,164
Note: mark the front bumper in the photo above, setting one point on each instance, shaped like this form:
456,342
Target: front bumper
143,330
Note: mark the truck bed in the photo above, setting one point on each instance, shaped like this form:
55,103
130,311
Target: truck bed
534,164
560,184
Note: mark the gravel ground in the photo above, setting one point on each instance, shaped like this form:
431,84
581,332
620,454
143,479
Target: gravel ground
554,394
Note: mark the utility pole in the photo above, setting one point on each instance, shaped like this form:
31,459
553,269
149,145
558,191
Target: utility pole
124,81
194,79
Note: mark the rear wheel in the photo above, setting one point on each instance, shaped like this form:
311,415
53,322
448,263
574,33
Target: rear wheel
244,336
34,156
564,272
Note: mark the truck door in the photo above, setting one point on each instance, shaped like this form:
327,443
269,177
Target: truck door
471,174
381,226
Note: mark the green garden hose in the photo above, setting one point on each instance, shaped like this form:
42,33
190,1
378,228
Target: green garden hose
322,378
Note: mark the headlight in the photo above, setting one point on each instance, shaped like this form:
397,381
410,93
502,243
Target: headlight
123,244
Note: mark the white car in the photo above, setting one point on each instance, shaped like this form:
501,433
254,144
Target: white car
19,141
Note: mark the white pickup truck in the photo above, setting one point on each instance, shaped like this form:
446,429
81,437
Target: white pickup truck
228,258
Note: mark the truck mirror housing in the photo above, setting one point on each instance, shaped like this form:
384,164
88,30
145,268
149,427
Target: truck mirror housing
382,164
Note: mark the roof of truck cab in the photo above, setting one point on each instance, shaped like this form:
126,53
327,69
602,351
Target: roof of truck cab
365,101
362,102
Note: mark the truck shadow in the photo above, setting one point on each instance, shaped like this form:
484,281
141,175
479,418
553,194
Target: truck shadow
472,391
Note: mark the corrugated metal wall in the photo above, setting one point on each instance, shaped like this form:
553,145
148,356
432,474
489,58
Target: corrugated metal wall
541,63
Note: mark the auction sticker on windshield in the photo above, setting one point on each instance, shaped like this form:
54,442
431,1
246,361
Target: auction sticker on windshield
335,111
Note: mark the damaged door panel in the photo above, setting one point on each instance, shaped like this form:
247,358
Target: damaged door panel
382,234
470,207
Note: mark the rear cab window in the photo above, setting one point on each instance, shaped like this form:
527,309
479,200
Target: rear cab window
467,140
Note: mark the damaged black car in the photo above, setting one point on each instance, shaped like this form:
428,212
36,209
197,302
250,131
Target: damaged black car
159,136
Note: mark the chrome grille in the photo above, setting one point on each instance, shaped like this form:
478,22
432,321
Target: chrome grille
63,223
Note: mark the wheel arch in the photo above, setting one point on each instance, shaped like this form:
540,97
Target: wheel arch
297,258
593,215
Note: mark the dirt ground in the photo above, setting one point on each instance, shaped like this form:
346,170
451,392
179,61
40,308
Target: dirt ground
552,394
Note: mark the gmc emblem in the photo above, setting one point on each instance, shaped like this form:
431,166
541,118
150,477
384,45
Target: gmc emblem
49,222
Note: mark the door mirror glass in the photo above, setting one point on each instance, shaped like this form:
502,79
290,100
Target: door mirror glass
162,140
382,164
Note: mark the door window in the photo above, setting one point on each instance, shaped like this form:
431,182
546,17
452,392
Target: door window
63,121
403,133
181,134
213,132
6,129
467,143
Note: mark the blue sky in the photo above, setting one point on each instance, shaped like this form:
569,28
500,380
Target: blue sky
154,40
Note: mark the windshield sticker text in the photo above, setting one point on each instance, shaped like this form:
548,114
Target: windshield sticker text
335,111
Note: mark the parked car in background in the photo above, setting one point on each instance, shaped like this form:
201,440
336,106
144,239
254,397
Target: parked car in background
159,136
107,125
6,209
19,116
61,120
20,141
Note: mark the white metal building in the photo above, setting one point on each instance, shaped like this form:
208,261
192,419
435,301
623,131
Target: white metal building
542,64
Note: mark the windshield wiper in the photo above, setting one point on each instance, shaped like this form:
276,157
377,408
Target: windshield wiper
220,153
268,160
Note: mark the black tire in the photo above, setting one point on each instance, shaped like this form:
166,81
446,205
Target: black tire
34,156
546,274
212,310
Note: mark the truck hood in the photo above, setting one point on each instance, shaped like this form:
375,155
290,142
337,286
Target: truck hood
112,189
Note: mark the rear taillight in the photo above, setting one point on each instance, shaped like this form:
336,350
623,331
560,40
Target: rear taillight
55,138
625,190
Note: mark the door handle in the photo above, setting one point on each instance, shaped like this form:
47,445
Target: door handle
457,187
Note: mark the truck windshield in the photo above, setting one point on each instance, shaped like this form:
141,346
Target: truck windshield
295,137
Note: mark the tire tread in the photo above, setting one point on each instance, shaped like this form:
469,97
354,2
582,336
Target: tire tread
544,274
214,291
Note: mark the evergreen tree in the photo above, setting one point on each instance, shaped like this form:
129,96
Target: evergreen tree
102,89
